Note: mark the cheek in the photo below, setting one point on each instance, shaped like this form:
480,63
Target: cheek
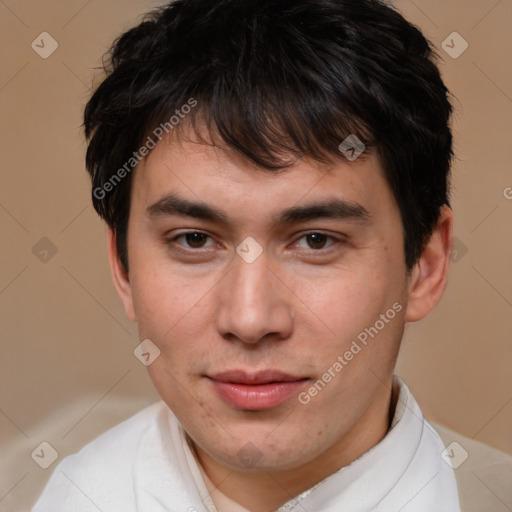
163,295
347,301
176,312
172,315
345,313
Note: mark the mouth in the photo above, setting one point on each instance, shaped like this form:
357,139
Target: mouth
255,391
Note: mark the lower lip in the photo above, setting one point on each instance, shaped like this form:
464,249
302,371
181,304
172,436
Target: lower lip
256,397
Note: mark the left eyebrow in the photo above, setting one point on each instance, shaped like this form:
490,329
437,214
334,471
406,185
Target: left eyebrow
330,209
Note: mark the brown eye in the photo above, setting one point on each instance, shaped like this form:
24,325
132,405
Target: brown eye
316,240
192,240
195,240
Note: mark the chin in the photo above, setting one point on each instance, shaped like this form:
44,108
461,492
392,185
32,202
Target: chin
261,452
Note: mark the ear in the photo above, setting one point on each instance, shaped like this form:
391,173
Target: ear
119,275
430,274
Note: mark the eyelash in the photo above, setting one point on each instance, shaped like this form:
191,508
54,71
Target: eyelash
171,241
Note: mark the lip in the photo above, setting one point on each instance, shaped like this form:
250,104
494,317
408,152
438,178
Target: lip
255,391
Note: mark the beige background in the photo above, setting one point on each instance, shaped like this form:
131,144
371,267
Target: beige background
66,346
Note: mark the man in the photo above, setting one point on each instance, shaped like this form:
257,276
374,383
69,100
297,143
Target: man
274,177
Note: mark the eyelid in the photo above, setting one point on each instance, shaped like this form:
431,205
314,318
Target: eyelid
333,238
169,240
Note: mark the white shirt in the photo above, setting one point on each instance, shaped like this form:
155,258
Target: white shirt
145,464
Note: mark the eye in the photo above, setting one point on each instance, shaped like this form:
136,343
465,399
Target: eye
316,241
193,240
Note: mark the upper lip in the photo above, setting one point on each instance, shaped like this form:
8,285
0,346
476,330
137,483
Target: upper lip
254,378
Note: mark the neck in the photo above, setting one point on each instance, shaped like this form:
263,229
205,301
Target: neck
265,491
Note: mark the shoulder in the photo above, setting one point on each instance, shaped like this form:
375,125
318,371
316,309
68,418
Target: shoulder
483,473
101,473
117,446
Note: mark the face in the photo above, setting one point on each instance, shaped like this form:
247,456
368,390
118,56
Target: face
277,299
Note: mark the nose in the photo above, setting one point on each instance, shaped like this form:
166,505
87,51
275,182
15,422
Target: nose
254,304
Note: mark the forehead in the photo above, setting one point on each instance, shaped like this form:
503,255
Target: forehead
203,172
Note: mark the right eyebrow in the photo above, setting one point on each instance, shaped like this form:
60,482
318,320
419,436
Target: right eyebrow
174,205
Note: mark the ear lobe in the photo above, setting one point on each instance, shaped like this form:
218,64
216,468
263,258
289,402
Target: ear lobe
119,276
430,274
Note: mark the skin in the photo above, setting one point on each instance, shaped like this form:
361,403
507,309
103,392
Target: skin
296,308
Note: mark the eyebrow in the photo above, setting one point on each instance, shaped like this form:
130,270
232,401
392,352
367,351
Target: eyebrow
333,208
